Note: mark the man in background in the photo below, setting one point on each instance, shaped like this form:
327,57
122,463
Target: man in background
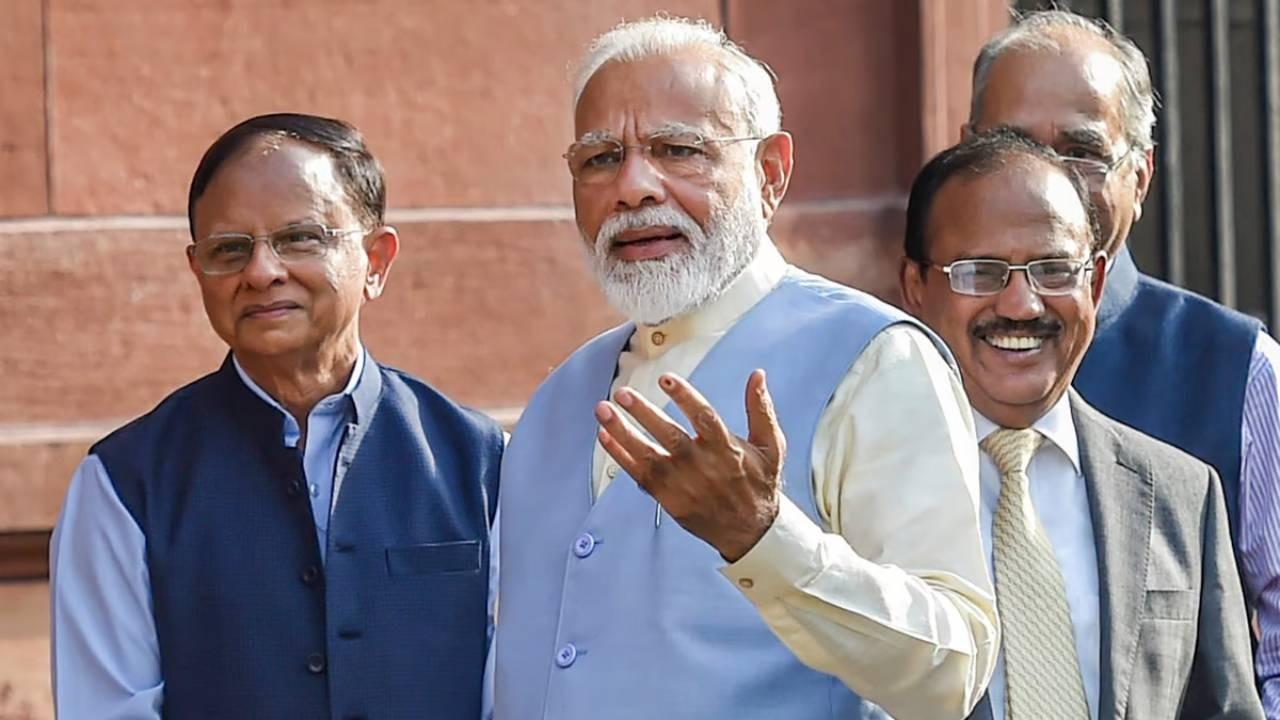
1166,361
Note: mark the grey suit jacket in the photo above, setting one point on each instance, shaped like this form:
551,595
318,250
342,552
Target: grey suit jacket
1175,639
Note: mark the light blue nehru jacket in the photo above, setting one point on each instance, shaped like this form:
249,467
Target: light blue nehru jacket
603,615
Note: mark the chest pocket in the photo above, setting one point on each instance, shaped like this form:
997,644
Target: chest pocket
456,557
1171,605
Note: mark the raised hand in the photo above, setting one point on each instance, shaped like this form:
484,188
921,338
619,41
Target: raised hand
718,486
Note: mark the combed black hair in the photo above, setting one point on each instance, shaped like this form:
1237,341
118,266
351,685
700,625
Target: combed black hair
358,170
980,154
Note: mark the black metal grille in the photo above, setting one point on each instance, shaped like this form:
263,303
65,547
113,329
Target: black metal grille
1210,222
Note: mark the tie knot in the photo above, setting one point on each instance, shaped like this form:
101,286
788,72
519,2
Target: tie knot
1011,450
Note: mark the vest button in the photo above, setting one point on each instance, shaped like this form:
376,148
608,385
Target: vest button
566,655
584,545
315,663
311,575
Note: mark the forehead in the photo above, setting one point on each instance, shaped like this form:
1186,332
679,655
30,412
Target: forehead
269,183
637,97
1051,92
1022,211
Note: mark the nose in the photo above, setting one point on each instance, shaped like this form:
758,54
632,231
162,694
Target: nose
265,268
639,182
1018,300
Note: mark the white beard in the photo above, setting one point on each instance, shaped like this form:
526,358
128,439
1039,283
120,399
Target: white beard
650,292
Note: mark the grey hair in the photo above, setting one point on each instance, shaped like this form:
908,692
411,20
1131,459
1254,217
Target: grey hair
1041,30
756,94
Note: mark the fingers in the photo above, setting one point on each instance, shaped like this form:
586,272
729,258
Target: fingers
659,425
763,429
618,453
702,417
632,450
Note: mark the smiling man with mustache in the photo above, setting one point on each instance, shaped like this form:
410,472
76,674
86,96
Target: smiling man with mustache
1110,550
748,552
303,533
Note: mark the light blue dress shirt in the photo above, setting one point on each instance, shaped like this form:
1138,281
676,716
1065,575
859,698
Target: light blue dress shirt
105,654
1061,499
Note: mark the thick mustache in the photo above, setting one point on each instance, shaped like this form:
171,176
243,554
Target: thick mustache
642,219
1041,327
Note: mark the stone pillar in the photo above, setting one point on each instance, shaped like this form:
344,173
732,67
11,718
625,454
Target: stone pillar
870,89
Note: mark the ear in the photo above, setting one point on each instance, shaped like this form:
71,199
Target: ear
1099,279
381,246
191,262
1146,169
774,160
912,278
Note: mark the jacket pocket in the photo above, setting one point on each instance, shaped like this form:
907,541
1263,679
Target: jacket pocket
460,556
1171,605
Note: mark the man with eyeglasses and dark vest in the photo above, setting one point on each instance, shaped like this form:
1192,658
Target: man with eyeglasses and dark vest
303,533
1195,374
1110,552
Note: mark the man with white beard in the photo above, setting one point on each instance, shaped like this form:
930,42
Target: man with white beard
667,563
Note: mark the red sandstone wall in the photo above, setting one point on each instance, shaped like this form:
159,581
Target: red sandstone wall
107,105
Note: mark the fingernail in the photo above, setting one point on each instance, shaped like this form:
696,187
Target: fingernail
603,412
666,382
624,398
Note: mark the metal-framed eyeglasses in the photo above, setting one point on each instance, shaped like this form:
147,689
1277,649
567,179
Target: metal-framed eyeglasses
1095,170
596,161
227,253
1050,276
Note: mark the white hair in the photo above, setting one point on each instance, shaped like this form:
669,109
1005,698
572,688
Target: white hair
650,292
1047,30
756,98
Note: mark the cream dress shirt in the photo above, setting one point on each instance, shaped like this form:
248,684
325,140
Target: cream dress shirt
1061,500
891,594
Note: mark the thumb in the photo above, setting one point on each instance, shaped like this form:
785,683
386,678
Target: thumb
763,430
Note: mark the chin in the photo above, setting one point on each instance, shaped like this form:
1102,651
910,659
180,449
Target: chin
268,346
1017,399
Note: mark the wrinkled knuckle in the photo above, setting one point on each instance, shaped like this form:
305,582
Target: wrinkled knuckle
676,438
707,418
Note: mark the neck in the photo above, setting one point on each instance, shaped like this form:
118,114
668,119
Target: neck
300,380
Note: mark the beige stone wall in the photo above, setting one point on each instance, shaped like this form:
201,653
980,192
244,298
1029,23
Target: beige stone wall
106,105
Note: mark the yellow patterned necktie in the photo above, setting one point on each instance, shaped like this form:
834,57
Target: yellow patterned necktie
1042,671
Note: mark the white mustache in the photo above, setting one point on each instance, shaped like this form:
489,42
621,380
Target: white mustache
652,216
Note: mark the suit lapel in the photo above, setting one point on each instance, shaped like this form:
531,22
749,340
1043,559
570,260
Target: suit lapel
1121,502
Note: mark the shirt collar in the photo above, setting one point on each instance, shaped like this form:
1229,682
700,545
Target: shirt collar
329,405
1056,426
1120,286
757,280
